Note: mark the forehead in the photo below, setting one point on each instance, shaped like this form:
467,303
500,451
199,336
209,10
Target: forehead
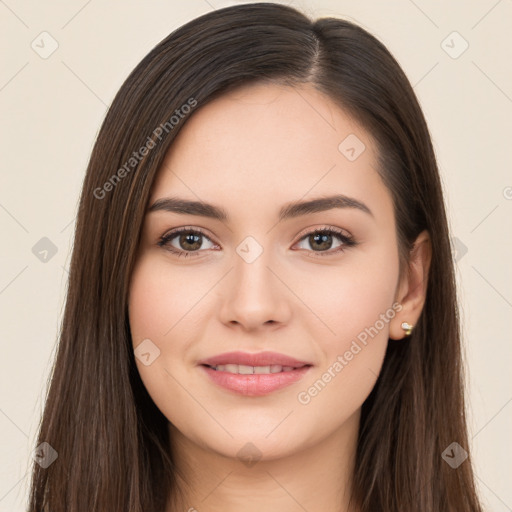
268,143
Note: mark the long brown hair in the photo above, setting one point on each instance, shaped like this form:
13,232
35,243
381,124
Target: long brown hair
112,445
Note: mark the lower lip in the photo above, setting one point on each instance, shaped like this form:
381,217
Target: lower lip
256,384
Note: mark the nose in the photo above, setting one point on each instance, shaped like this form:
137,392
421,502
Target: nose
255,296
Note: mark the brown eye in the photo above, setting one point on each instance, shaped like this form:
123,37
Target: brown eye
184,241
190,242
321,240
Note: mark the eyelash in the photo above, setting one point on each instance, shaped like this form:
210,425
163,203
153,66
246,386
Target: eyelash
347,241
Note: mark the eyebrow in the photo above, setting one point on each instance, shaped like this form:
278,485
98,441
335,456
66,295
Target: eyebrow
288,211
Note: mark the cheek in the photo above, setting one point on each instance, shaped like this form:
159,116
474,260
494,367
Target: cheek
155,311
158,313
358,307
364,306
353,298
166,305
158,302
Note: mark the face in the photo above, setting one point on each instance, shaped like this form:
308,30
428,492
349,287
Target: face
317,284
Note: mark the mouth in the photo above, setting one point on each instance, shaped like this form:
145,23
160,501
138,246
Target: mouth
253,374
253,362
241,369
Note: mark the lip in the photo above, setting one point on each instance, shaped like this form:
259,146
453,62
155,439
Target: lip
256,359
254,384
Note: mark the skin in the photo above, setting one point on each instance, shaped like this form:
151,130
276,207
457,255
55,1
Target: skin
251,151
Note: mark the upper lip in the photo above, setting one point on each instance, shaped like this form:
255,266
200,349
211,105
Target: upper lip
254,359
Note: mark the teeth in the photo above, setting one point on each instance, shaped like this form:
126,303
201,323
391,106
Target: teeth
248,370
242,369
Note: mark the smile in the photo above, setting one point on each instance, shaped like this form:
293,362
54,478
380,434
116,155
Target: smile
254,380
251,370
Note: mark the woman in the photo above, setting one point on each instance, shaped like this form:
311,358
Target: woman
262,309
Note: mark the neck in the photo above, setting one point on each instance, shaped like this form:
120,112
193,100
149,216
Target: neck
316,477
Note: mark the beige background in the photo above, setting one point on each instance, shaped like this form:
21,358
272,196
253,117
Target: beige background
51,109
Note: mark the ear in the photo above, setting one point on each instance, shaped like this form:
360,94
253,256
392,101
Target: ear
412,289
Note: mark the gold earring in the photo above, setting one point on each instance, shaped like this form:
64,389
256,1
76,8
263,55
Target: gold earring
407,327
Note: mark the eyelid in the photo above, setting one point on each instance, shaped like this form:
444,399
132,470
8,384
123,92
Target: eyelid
322,228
